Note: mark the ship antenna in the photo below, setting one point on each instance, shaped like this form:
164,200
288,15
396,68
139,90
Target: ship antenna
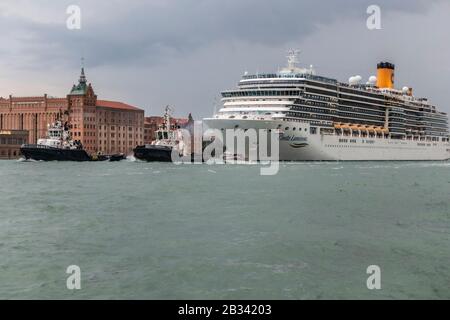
167,117
293,58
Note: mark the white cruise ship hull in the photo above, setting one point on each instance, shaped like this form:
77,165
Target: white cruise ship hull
301,145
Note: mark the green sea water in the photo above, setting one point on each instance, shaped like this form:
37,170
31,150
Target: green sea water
159,231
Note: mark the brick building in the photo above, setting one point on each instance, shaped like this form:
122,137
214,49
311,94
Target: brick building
10,142
101,125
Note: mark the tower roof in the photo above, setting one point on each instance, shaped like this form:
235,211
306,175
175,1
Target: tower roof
81,88
82,76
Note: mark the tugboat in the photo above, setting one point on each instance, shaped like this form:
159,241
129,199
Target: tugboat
167,139
117,157
58,146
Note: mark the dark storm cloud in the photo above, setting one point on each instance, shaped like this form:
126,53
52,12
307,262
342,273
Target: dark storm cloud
184,52
147,31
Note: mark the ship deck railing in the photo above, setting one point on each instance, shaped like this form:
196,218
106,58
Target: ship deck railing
41,146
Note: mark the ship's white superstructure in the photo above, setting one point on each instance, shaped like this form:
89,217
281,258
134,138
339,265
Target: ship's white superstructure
319,118
59,136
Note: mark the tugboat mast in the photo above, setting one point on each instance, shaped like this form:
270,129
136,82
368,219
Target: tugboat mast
167,117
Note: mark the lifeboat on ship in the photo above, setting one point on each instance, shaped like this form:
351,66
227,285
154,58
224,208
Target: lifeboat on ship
378,130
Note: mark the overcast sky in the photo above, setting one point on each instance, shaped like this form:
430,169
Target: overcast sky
184,52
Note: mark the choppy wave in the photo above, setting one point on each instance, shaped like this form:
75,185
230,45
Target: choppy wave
314,227
27,160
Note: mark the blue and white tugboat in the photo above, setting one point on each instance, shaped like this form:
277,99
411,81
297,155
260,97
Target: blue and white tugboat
168,139
58,146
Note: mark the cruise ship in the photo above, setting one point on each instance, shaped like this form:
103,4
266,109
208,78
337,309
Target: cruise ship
318,118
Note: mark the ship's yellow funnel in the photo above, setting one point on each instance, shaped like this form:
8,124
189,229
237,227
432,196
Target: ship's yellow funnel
386,74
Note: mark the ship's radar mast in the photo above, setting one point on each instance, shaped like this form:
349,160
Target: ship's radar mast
293,58
167,115
293,62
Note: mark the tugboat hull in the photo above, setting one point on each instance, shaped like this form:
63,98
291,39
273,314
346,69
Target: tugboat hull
117,157
45,153
153,153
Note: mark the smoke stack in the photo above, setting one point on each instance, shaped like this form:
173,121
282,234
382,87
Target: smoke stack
386,75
